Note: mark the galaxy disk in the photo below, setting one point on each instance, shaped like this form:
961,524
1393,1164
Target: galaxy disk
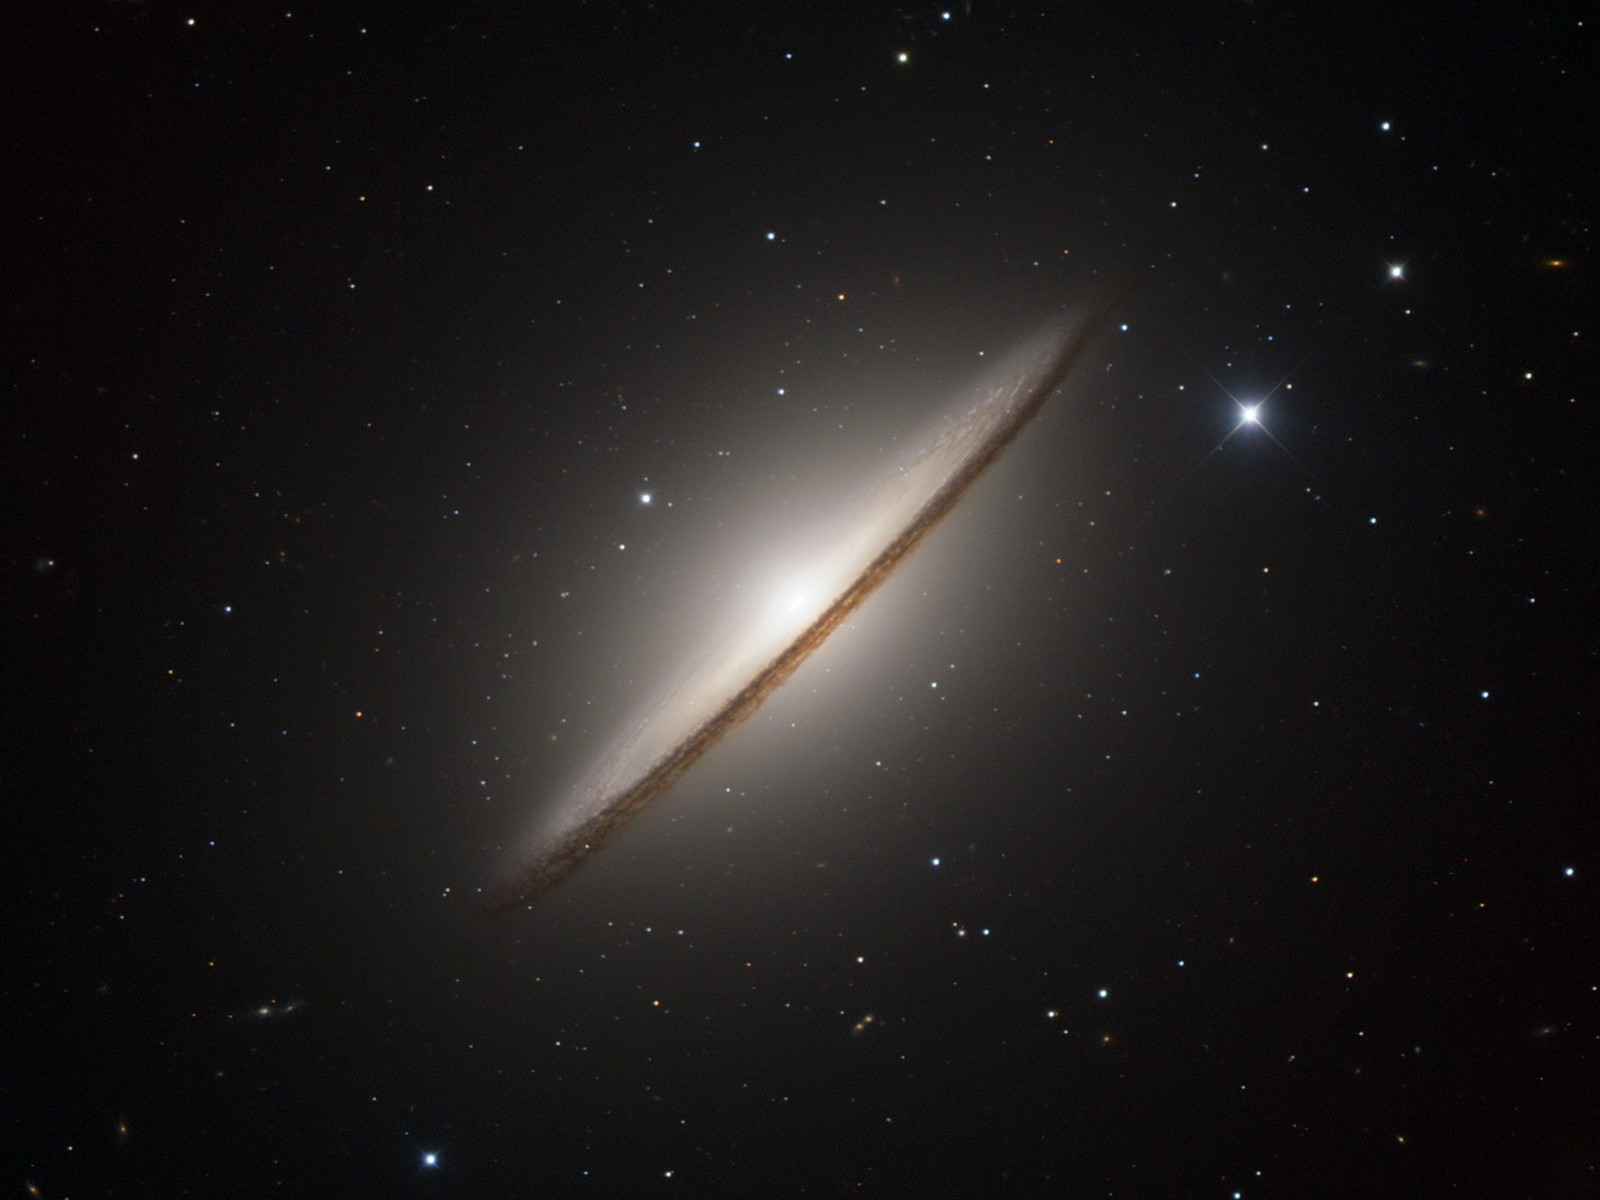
718,692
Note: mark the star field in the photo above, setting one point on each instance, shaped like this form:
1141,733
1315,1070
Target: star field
400,398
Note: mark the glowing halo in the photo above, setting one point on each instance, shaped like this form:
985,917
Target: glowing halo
689,716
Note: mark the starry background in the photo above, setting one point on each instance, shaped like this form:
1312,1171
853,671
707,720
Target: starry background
1176,823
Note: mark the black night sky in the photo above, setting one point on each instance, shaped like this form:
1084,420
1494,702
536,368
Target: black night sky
397,396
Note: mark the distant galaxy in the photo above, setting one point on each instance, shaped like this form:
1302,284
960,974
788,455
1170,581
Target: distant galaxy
727,686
